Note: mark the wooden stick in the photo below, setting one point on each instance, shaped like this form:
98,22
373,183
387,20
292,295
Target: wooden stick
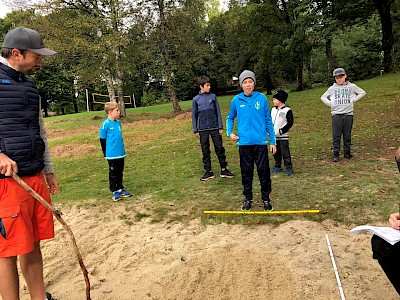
57,214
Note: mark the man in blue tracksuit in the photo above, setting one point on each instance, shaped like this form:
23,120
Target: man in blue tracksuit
206,122
254,125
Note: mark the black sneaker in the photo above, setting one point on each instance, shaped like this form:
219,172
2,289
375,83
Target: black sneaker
267,205
246,205
348,156
49,297
225,173
335,158
207,175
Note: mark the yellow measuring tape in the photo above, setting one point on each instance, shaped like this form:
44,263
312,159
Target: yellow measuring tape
268,212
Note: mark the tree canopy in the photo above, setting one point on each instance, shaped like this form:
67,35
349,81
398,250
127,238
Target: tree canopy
156,49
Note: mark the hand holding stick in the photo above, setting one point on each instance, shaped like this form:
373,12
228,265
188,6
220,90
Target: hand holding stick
57,214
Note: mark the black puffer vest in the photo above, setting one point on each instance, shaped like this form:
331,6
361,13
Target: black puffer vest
19,121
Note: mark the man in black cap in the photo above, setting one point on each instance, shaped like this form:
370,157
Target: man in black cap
24,222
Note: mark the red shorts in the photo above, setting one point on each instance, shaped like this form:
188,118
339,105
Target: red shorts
23,219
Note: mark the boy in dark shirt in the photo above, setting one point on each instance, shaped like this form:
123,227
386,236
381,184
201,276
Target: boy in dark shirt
206,122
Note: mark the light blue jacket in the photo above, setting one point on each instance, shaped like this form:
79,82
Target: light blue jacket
111,131
254,123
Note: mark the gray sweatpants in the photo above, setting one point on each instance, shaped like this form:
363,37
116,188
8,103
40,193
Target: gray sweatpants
341,125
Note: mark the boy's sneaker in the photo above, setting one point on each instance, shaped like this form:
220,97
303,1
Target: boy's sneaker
348,156
276,170
116,196
124,193
49,297
207,175
225,173
289,172
246,205
267,205
335,158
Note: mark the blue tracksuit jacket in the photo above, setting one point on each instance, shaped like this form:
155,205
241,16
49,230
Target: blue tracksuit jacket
254,121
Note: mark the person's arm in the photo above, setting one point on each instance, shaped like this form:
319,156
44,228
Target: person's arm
360,93
269,125
48,166
103,146
230,121
289,124
219,119
326,98
195,116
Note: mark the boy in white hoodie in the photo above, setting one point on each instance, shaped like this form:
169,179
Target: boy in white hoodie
282,117
340,97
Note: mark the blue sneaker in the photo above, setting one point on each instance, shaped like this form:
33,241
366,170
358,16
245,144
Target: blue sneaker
276,170
124,193
116,196
289,172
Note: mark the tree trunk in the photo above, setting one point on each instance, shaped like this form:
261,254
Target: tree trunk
329,55
75,104
268,83
120,81
383,7
172,94
107,72
165,54
118,69
109,82
299,86
44,106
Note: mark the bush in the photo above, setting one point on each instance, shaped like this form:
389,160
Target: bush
152,97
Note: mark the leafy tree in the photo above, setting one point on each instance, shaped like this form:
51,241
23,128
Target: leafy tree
357,49
55,86
176,42
94,32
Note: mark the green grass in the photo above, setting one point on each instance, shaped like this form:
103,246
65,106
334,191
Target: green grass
163,163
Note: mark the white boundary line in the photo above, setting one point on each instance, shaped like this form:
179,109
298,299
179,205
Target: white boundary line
334,268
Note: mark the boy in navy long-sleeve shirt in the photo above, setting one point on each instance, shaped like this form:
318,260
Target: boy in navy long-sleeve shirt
206,122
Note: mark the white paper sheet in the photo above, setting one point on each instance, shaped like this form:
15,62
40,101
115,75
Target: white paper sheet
390,235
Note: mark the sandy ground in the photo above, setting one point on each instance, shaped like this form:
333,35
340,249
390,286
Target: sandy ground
176,261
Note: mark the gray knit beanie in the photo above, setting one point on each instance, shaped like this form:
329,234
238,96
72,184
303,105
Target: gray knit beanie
247,74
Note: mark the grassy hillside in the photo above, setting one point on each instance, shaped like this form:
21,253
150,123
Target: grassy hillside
163,163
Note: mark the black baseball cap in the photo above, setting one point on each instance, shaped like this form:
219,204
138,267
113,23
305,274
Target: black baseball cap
26,39
281,95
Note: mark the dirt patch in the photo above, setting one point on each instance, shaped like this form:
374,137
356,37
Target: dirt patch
184,116
63,151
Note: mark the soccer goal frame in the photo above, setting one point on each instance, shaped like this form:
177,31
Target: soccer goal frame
102,99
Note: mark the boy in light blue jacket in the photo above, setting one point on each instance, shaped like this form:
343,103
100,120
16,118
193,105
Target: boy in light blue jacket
112,145
254,127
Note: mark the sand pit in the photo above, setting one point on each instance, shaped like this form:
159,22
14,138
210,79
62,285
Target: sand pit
175,261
